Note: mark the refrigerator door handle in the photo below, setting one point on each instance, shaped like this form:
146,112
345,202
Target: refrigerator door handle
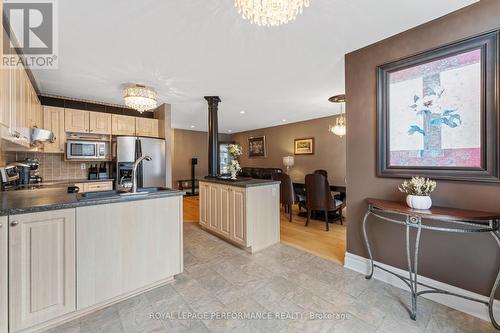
140,169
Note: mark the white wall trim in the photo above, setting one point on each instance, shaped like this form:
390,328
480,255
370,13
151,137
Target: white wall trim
362,265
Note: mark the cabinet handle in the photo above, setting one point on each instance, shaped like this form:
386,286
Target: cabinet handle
14,223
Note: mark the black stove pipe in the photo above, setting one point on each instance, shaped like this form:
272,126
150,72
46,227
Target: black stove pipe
213,135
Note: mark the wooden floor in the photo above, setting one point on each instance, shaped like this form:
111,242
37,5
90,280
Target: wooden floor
314,239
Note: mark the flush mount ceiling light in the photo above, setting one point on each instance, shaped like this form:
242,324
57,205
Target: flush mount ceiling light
140,98
340,124
270,12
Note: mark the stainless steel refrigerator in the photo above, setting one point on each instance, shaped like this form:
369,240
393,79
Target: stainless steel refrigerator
149,173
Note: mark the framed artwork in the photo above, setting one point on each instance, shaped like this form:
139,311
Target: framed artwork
438,113
304,146
257,146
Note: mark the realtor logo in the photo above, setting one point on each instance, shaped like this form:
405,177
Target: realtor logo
32,30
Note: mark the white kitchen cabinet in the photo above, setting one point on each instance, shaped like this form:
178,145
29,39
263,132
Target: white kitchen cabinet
203,204
3,274
237,216
246,216
42,264
224,210
126,246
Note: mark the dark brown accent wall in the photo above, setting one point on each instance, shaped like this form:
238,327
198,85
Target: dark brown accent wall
329,149
81,105
466,261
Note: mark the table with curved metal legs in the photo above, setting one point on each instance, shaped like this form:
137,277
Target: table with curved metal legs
415,221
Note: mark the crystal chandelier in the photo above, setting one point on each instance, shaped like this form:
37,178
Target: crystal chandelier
140,98
340,125
270,12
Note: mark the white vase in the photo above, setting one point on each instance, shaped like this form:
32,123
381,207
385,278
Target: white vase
233,174
419,201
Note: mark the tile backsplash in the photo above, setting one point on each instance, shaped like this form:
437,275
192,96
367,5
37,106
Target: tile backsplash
52,166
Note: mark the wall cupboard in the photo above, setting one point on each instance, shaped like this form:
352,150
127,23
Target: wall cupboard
53,120
246,216
3,274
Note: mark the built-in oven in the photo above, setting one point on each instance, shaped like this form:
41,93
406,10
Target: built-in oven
87,150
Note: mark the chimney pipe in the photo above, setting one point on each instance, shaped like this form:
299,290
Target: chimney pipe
213,135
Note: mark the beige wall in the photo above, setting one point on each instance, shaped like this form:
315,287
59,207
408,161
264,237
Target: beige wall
187,145
329,149
466,261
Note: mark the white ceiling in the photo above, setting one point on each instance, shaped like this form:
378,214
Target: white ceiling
187,49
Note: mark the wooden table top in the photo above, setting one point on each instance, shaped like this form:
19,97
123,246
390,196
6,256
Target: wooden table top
439,212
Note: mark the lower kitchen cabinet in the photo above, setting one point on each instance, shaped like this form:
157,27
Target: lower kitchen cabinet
3,274
41,267
125,246
246,216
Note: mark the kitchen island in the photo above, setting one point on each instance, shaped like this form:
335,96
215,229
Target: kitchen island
65,255
243,212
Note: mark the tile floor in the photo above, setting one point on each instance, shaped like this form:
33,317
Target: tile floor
219,278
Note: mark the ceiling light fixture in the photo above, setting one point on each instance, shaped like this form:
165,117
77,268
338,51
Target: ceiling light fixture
340,123
270,12
192,126
242,112
140,98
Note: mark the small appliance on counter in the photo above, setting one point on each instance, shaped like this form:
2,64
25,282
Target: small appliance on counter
98,172
10,177
29,171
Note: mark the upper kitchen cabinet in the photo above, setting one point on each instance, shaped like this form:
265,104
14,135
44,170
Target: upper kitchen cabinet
3,274
36,113
53,120
100,123
76,121
122,125
146,127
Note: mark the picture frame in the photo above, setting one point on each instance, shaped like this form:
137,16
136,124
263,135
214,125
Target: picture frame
438,113
303,146
257,147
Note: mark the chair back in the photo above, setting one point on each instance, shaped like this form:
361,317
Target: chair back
322,172
318,195
287,195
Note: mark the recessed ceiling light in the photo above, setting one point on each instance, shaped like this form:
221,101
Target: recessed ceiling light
192,126
283,120
242,112
229,131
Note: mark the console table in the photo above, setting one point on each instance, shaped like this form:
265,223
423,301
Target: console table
454,220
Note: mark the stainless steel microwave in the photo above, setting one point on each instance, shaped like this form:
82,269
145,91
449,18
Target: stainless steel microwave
86,150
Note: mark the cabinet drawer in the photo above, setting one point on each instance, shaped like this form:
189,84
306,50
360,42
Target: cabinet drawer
97,187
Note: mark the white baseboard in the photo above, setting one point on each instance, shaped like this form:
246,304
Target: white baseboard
362,265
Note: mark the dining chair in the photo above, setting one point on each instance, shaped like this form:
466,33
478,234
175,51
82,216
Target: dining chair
287,195
322,172
319,198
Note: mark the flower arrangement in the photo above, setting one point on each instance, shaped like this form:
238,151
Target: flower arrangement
234,151
418,186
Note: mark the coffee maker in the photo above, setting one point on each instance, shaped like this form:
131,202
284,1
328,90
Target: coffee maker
29,172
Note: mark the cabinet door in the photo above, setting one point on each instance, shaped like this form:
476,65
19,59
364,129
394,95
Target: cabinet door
76,121
42,261
122,125
146,127
224,210
203,204
238,216
3,274
5,96
100,123
53,120
35,116
212,207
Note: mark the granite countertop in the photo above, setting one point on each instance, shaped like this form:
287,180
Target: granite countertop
247,182
30,201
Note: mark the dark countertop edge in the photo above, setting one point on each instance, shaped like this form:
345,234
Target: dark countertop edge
76,204
243,183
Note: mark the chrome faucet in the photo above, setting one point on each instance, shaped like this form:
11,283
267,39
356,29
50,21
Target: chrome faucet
134,172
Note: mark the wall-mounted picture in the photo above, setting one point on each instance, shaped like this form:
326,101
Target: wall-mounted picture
304,146
437,113
257,146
